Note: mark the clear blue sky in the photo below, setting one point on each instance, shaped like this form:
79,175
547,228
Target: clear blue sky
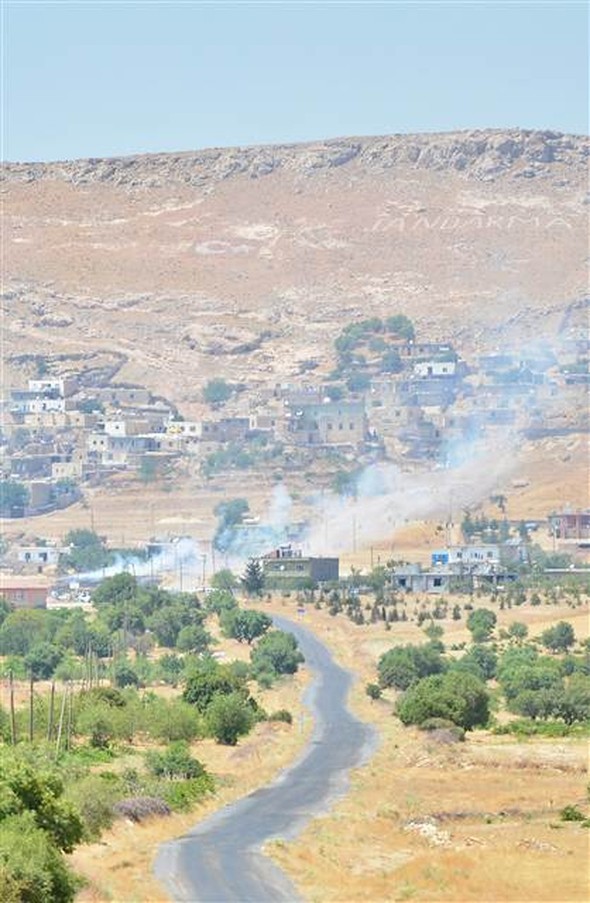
93,79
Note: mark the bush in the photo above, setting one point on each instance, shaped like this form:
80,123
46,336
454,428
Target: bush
217,392
210,680
373,691
182,795
276,653
457,696
571,813
174,762
281,715
172,720
404,665
32,869
94,798
229,717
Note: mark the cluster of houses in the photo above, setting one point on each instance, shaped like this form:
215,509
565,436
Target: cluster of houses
61,432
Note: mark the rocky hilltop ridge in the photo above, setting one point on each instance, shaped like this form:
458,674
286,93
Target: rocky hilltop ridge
480,155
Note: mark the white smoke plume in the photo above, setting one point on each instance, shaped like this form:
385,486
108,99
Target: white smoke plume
388,497
179,559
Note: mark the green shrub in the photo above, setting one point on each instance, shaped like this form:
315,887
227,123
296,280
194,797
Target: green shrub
228,717
94,797
32,870
571,813
373,691
456,696
174,762
182,795
281,715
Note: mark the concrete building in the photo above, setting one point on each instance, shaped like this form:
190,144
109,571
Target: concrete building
434,367
329,423
466,556
570,525
39,555
24,592
288,567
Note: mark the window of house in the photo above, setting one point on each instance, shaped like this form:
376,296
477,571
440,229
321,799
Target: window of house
340,426
437,581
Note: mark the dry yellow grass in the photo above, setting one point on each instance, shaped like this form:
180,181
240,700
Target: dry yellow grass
494,801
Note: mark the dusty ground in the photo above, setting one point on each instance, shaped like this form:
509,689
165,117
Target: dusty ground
473,821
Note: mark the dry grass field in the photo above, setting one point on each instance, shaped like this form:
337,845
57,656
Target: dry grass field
473,821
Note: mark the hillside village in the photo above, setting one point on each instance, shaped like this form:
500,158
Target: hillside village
391,396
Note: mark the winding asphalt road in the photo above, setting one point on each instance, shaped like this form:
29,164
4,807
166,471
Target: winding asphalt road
220,861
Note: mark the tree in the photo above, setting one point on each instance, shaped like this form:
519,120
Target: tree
245,624
42,660
193,638
208,680
125,675
518,631
391,362
457,696
334,393
481,623
224,580
401,326
229,717
116,590
559,638
345,482
23,629
540,674
229,514
574,704
87,551
404,665
480,660
276,653
217,392
14,497
253,579
358,382
32,788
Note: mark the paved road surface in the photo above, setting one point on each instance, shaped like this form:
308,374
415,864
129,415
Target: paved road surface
220,860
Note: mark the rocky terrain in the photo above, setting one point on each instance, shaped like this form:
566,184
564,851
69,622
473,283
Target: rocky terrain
246,262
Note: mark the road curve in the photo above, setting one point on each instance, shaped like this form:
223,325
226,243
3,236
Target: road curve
220,861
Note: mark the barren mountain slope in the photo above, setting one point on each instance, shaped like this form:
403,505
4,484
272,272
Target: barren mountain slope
178,261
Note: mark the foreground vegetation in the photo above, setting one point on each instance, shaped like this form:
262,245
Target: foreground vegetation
99,742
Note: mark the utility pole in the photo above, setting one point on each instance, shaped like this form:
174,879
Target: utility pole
12,715
31,712
51,711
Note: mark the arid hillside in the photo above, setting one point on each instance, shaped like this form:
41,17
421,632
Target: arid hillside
245,262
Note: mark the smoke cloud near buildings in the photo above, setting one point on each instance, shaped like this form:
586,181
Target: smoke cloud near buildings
387,497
